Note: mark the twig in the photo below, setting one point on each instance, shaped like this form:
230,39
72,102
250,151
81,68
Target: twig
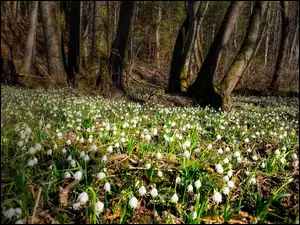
37,200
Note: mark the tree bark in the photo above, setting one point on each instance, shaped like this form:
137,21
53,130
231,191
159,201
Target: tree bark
85,35
158,22
267,37
30,40
244,55
74,43
202,90
119,45
55,67
283,45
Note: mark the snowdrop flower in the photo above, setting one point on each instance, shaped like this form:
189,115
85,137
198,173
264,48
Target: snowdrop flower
237,154
226,160
133,202
230,184
109,149
220,150
174,198
78,175
198,184
38,146
186,154
69,158
252,180
246,140
86,158
239,159
19,222
277,152
67,175
76,206
219,137
59,135
154,193
123,140
9,213
178,180
295,156
32,150
148,137
227,149
35,160
148,166
282,160
83,198
82,154
30,163
55,146
187,144
190,188
64,151
107,187
104,159
99,207
158,155
68,142
48,126
142,191
49,152
117,145
219,168
20,143
101,175
73,163
226,190
217,197
209,146
225,179
18,212
249,150
255,158
159,173
263,165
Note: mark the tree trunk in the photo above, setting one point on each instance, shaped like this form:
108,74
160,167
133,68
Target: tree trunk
296,34
283,45
14,10
244,56
202,89
119,45
30,40
55,67
157,33
85,35
267,37
74,43
5,8
183,49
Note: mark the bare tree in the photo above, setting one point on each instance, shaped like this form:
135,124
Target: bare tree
283,45
244,55
30,40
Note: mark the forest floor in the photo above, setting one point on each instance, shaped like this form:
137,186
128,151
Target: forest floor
67,157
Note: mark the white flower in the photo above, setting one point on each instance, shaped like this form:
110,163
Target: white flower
83,198
73,163
35,160
55,146
69,158
252,180
154,192
219,168
148,166
82,154
282,160
94,147
9,213
133,202
174,198
123,139
48,126
190,188
277,152
159,173
32,150
217,197
225,179
107,187
18,211
230,184
220,150
68,142
86,158
194,215
198,184
263,165
226,190
59,135
237,154
148,137
76,206
219,137
158,155
101,175
109,149
30,163
227,149
99,207
104,158
209,146
38,146
67,175
187,144
239,159
117,145
64,151
78,175
226,160
178,180
142,191
20,143
295,156
186,154
49,152
246,140
19,222
255,158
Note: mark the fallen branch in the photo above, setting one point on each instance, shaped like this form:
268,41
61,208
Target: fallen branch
37,200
